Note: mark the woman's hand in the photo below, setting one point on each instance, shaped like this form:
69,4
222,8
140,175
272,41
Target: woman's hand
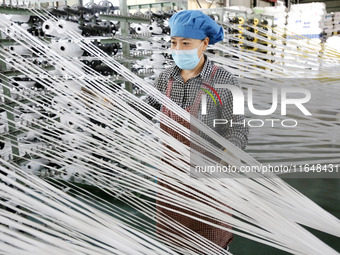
223,163
96,97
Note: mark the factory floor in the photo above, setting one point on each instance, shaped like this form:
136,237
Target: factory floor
324,192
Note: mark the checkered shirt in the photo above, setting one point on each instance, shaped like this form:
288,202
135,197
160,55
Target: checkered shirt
184,95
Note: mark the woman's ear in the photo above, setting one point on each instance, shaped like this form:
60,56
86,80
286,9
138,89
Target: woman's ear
205,43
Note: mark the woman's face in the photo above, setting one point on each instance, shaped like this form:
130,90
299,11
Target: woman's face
182,43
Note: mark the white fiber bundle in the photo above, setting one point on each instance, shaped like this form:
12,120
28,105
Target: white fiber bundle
108,150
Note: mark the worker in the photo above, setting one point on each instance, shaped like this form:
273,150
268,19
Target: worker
191,33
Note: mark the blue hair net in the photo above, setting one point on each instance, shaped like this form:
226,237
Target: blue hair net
196,25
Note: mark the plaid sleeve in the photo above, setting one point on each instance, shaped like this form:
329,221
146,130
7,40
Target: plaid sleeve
238,131
150,99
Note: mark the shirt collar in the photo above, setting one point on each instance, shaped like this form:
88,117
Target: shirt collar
175,71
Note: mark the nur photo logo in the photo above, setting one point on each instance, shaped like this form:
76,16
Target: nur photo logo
281,98
204,98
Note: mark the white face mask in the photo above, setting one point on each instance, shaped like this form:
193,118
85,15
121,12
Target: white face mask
186,59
